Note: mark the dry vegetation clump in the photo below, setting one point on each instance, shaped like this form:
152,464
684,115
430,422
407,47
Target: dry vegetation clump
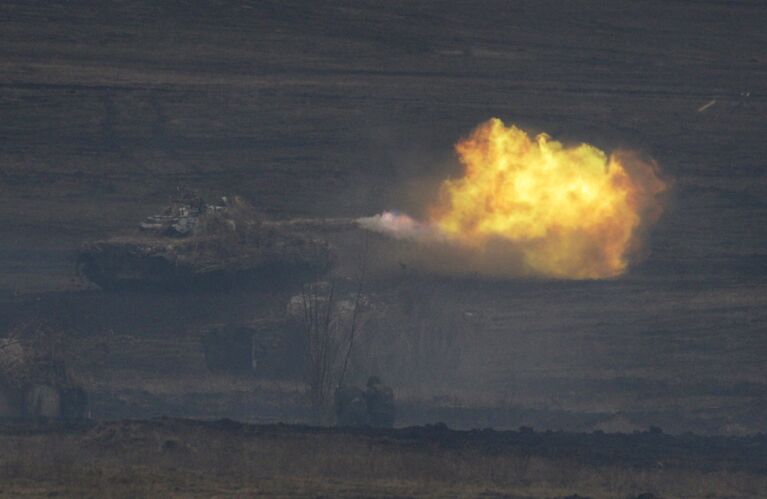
35,351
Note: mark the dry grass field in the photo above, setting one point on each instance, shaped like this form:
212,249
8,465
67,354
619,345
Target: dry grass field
178,458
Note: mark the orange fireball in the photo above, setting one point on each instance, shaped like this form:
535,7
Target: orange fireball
570,212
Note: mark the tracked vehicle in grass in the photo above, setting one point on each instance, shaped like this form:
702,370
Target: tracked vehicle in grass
193,244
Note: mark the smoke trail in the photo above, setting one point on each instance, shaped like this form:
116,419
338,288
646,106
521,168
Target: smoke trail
402,226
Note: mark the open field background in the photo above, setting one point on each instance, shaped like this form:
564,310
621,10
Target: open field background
348,108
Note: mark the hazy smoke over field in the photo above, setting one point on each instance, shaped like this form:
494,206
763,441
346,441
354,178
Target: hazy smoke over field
533,206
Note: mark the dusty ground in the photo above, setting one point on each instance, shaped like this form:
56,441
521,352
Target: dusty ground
179,458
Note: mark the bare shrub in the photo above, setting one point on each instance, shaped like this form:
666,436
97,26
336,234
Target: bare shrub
331,326
414,338
322,330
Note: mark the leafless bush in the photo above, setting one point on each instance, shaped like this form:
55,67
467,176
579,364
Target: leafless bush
331,327
322,329
414,338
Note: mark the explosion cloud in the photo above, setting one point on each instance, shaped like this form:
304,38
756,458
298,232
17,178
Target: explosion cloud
535,206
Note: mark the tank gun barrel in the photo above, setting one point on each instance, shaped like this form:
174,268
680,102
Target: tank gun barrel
312,224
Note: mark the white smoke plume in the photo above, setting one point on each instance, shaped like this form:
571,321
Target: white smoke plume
401,226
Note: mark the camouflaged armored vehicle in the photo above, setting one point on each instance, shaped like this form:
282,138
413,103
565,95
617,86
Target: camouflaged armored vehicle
196,244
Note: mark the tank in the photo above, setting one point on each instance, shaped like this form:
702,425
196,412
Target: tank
194,244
